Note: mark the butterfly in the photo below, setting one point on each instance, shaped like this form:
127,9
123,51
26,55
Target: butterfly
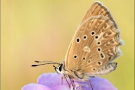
94,46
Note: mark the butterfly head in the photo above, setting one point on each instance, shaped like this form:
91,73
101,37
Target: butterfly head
59,69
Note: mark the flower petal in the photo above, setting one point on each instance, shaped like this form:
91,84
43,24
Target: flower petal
34,86
101,84
51,79
97,84
61,87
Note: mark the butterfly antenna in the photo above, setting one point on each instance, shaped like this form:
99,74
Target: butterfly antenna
44,63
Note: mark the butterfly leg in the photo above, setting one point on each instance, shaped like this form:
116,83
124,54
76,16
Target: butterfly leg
61,80
67,80
72,82
89,83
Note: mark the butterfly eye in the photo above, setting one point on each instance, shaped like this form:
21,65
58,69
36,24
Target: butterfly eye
78,40
75,56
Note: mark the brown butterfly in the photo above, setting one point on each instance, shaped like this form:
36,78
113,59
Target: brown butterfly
94,46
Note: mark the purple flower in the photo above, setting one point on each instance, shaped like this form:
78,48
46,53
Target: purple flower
52,81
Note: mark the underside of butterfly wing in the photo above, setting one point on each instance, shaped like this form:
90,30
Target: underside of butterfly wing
104,70
95,43
98,9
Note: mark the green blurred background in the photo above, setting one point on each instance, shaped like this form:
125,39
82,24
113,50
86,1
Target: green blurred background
42,30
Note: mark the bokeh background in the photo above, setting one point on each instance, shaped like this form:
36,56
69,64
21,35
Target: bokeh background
42,30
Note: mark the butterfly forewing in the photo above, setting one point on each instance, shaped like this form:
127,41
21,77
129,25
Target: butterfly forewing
95,42
98,9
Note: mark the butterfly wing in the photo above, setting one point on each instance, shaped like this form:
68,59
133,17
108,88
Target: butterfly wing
95,43
98,9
